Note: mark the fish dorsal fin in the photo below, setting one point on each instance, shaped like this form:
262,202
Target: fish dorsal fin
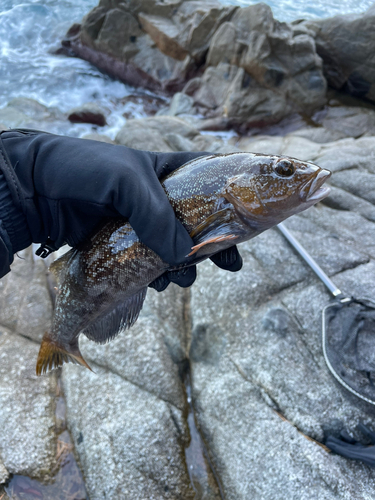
124,315
52,355
217,228
59,266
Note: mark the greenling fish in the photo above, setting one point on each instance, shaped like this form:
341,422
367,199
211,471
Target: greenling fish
221,200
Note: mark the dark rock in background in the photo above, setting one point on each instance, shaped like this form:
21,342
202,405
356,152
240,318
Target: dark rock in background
346,45
256,70
88,113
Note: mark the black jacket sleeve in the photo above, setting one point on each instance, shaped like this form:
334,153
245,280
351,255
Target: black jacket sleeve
14,231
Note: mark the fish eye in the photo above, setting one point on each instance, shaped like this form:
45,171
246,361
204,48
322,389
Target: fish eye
285,168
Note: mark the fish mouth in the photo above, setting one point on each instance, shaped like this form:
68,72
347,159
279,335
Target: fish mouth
313,191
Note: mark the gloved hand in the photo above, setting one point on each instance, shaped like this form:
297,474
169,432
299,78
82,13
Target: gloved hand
350,448
67,186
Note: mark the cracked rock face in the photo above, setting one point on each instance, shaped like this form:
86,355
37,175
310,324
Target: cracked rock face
256,347
256,70
27,421
259,70
134,449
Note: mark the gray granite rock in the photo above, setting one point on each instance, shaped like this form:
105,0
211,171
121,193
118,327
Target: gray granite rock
149,354
290,145
349,121
319,134
256,349
25,302
4,474
342,200
253,341
348,154
25,112
135,448
151,133
181,104
27,424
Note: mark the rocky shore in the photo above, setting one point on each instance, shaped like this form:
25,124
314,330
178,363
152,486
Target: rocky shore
220,391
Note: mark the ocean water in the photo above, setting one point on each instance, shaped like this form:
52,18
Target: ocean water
31,29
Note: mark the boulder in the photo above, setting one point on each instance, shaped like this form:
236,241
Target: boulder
28,113
98,137
151,134
259,71
150,43
346,45
181,104
89,112
256,70
189,30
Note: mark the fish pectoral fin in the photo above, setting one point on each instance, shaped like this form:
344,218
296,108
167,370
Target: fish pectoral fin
215,239
58,267
212,223
109,324
216,228
52,355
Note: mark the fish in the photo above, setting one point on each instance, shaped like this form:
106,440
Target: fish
221,200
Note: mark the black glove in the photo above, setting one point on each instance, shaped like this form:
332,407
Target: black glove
350,448
67,186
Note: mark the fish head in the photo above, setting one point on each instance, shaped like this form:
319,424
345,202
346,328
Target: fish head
271,188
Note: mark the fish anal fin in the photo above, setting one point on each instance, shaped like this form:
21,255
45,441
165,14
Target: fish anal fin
52,355
109,324
215,239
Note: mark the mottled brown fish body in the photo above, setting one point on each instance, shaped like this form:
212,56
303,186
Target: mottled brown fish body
221,200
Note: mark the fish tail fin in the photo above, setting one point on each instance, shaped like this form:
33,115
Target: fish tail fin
52,355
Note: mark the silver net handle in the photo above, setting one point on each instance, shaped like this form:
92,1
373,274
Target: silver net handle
336,292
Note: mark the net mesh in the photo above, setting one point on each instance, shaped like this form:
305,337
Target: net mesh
349,345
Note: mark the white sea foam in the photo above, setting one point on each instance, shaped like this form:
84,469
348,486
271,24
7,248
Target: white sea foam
31,29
